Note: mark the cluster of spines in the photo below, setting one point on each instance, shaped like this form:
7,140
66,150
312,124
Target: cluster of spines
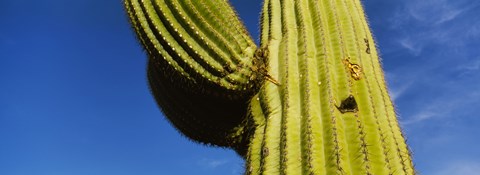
332,113
204,42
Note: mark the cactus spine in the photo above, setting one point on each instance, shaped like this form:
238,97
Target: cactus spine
311,99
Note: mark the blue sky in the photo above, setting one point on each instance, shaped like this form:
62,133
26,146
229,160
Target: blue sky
74,98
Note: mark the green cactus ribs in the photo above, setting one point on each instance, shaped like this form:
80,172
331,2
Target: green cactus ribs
311,99
332,114
201,65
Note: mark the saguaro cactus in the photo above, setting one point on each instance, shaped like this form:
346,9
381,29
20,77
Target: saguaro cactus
311,99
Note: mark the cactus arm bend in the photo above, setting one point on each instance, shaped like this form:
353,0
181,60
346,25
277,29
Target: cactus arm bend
201,66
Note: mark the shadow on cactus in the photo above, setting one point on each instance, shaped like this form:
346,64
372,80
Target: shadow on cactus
311,99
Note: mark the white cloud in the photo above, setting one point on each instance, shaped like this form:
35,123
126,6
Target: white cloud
434,11
212,163
471,66
413,47
460,168
398,86
468,69
428,22
421,116
449,15
444,107
430,13
474,30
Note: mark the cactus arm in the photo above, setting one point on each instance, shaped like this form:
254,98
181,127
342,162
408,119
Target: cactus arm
205,41
147,36
202,68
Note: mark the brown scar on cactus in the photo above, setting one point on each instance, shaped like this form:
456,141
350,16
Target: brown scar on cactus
354,69
367,50
268,77
348,105
261,56
265,152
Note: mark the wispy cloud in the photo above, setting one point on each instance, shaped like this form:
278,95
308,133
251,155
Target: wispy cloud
432,111
427,12
471,66
413,47
434,12
437,95
399,86
474,30
449,15
212,163
444,107
421,116
460,168
428,22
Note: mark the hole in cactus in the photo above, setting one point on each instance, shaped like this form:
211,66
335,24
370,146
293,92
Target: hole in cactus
348,105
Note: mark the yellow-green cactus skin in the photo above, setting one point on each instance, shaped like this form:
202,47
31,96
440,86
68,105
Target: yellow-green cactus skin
311,99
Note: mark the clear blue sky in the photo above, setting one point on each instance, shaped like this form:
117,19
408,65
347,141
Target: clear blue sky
74,98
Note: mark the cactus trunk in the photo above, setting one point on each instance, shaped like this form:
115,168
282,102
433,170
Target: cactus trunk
331,113
311,99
